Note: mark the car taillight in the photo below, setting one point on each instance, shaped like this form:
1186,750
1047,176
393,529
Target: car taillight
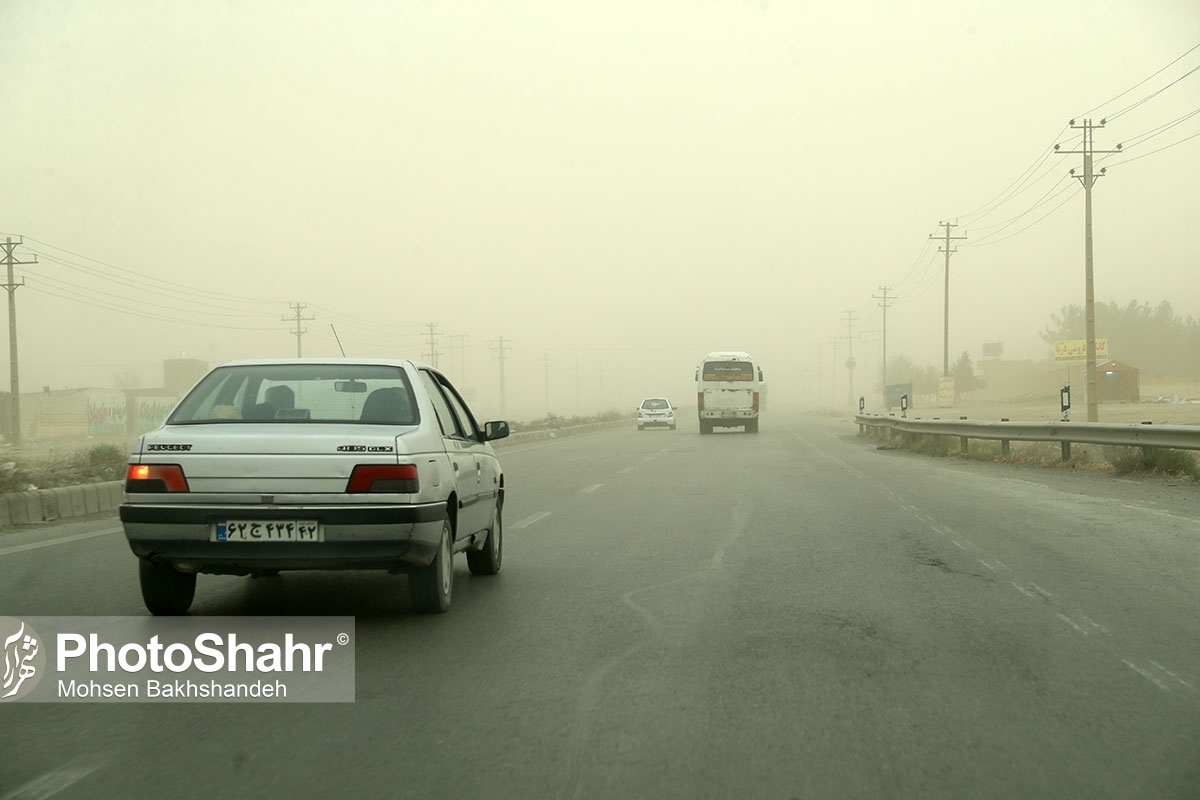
155,478
700,399
392,478
756,402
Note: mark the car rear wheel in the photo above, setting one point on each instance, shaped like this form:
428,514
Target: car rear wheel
431,586
705,426
165,590
487,560
752,426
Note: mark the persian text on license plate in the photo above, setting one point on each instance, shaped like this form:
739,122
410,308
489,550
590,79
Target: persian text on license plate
268,530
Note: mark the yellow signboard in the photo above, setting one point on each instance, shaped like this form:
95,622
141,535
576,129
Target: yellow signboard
1076,350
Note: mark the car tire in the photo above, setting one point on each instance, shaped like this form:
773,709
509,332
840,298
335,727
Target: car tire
672,427
165,590
487,560
431,586
752,426
264,573
641,427
706,427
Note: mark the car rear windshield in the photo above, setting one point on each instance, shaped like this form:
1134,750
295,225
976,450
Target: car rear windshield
728,371
300,393
656,404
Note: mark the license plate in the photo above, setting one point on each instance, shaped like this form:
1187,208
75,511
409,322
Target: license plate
268,530
729,414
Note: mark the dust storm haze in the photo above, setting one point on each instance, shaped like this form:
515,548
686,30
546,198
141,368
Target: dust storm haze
601,192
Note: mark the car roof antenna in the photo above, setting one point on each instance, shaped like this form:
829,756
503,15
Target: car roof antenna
339,341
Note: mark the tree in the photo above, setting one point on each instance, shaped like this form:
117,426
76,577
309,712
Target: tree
902,369
127,379
1152,338
964,376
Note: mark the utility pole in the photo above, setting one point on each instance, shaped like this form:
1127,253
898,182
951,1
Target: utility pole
11,261
546,365
501,345
1088,179
884,305
433,354
946,319
850,362
577,409
833,374
460,338
820,373
297,308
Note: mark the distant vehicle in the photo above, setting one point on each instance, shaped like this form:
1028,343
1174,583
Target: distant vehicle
730,391
655,412
315,464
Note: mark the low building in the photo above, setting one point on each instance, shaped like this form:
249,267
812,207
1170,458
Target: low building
1117,383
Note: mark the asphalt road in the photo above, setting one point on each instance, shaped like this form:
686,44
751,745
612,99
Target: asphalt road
792,614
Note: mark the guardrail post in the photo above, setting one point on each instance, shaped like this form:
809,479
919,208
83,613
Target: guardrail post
1004,448
1066,451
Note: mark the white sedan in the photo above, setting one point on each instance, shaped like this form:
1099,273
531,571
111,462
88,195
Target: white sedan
276,465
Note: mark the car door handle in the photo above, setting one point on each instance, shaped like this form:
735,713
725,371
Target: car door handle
455,465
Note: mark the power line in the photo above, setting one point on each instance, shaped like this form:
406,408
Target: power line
501,346
14,399
1088,179
297,308
946,317
1141,82
884,304
1152,95
433,353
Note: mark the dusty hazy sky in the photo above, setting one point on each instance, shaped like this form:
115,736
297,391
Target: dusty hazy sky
617,186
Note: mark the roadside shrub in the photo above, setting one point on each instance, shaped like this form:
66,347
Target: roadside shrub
107,456
928,444
1152,459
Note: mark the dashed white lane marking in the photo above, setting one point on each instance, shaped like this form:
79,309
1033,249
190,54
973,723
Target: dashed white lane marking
1096,626
943,530
647,458
1040,591
1147,675
51,783
1023,590
986,564
1161,668
956,544
592,488
623,471
1001,564
1072,623
532,518
21,548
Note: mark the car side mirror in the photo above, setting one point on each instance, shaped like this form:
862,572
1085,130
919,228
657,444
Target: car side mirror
496,429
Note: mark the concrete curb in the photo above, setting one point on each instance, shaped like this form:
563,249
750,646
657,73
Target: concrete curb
555,433
66,502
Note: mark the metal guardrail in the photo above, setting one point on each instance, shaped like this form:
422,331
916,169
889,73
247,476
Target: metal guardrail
1179,437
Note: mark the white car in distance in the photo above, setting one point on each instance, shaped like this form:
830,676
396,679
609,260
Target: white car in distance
655,412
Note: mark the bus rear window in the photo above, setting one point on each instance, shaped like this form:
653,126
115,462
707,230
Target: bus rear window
728,371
